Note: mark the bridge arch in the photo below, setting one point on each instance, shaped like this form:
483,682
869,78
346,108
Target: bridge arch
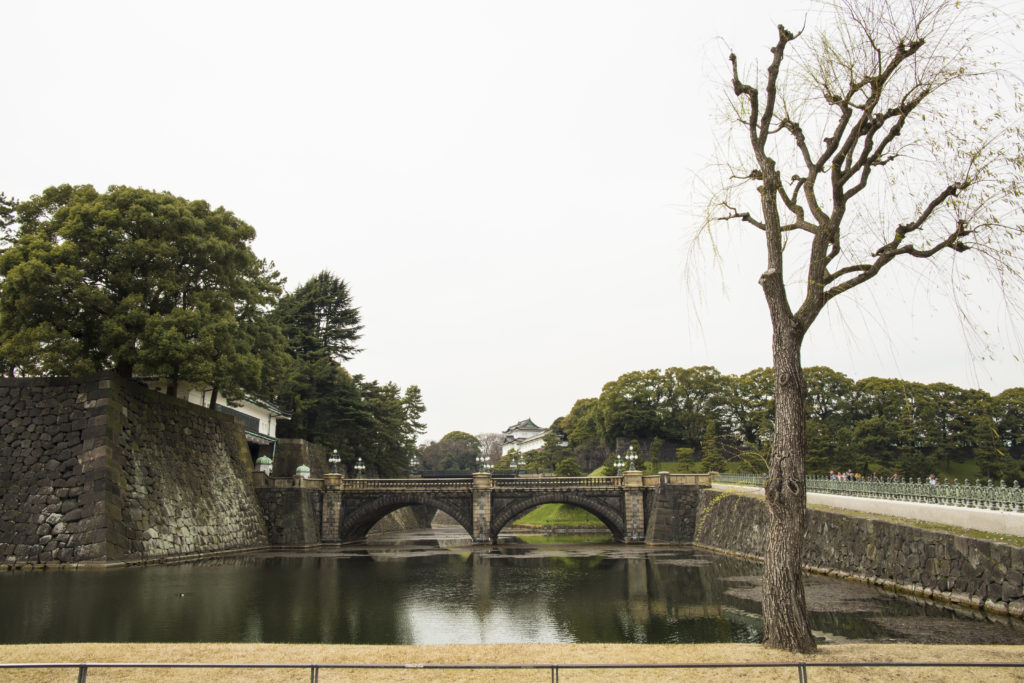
360,518
609,516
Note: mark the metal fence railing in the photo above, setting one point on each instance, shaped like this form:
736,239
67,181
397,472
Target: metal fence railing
554,670
983,495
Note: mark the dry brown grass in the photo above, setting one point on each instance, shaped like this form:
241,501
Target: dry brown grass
506,654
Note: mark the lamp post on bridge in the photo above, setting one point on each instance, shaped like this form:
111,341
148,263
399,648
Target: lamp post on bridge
631,457
619,464
359,467
334,460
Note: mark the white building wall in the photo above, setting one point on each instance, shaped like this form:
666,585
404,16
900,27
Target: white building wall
525,446
268,421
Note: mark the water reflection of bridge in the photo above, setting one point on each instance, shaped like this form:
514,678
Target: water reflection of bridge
642,588
629,505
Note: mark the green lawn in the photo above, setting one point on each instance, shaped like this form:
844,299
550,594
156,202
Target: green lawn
558,514
968,469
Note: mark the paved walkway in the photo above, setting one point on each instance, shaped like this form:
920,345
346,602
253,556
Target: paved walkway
993,521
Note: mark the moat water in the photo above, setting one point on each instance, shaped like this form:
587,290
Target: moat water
432,588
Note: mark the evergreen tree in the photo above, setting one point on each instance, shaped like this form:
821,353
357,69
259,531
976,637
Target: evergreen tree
567,467
684,456
319,318
141,282
456,451
654,455
8,210
711,459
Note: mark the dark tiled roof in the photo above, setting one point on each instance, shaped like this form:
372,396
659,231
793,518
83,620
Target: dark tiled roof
524,424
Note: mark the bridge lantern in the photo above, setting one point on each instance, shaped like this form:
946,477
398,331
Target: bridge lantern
264,465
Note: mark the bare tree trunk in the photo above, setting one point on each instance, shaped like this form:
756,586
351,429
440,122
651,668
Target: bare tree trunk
785,612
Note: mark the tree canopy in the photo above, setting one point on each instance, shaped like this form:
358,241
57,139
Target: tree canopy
874,424
149,284
140,282
319,318
455,451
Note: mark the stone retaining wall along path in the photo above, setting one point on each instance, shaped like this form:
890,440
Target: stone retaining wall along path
102,469
934,564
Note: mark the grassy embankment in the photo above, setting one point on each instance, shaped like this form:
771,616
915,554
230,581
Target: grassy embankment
568,516
558,515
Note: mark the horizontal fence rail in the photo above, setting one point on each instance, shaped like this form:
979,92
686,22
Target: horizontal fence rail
981,495
800,668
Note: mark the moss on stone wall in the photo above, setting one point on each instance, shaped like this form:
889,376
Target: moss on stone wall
100,468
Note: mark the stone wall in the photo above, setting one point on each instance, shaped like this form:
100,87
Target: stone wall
933,564
45,491
290,453
102,469
292,515
405,519
186,474
673,514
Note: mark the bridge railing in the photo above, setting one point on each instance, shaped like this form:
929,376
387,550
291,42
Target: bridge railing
462,484
691,479
405,484
560,482
982,495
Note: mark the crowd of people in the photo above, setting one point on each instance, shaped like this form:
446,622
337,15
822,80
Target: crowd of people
850,475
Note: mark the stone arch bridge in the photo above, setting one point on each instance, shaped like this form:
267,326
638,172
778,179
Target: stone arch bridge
635,508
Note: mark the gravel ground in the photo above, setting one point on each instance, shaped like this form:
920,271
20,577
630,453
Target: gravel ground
543,655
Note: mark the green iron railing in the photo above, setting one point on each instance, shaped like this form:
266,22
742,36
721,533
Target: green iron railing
982,495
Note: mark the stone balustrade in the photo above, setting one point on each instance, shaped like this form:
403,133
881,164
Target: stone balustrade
338,482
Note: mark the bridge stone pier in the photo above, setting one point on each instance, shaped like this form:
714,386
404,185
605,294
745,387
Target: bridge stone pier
634,507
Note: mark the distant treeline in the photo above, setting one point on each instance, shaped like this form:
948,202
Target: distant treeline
869,425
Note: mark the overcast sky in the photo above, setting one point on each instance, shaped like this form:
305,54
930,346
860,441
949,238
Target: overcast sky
506,187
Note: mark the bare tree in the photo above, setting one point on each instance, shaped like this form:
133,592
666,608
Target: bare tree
490,444
885,136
